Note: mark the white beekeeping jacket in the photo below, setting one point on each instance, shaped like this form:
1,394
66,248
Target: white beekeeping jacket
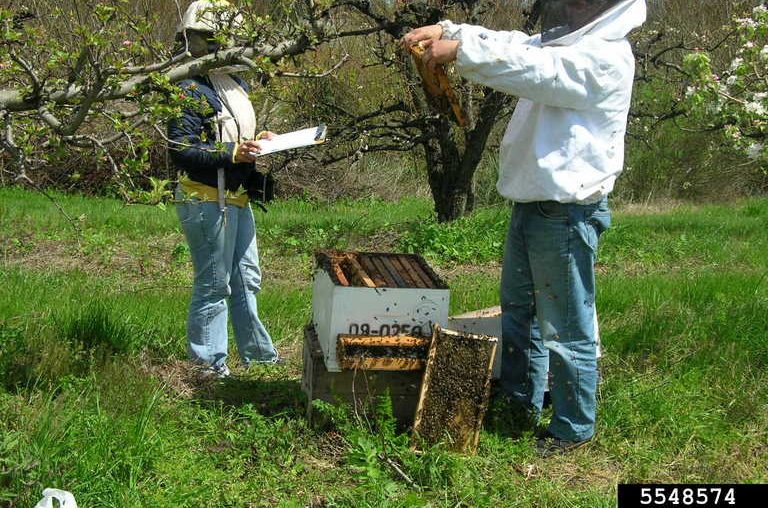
565,140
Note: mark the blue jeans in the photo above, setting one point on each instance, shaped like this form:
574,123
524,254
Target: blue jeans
547,302
226,267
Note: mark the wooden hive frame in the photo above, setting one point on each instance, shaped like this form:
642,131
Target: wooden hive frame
455,390
399,352
436,82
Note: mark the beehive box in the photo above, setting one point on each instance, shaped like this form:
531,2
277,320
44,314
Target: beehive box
359,388
455,390
374,294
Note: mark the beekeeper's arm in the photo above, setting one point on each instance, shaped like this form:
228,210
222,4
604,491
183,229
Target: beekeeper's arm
456,31
561,76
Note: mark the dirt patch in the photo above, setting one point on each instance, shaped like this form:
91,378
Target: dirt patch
133,260
180,378
40,255
651,208
579,468
332,447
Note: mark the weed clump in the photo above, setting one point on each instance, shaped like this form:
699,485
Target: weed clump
14,368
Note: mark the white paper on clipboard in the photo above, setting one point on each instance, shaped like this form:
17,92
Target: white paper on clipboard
290,140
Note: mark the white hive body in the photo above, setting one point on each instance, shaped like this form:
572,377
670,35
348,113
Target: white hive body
373,311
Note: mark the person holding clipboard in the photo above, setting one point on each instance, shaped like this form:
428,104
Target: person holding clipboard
214,152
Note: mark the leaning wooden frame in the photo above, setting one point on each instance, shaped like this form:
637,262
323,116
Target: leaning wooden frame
455,390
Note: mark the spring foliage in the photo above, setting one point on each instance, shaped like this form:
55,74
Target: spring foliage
736,98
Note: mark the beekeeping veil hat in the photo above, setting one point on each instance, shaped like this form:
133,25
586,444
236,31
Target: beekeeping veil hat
560,18
207,26
209,16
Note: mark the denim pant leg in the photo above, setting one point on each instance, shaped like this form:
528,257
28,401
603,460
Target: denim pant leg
211,250
524,359
253,341
550,258
562,241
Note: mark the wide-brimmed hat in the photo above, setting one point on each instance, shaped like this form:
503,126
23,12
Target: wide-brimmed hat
208,16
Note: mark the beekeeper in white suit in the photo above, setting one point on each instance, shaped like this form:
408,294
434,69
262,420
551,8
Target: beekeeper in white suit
214,149
561,154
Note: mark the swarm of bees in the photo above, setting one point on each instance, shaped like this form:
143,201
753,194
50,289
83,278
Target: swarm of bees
455,390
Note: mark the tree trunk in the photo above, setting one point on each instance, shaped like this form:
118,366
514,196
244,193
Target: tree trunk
448,182
452,188
453,202
450,168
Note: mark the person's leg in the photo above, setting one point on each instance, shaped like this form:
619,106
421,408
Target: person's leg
204,230
253,341
524,359
562,242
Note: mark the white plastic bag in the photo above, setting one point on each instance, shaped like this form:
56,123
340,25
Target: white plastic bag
65,499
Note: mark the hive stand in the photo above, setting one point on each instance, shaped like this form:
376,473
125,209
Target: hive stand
359,388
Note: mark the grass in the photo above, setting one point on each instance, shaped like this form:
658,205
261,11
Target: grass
96,398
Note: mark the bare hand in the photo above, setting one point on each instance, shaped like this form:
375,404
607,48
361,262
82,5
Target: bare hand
429,32
247,149
265,135
439,52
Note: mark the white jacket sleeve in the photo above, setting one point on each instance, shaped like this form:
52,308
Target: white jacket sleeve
561,76
453,31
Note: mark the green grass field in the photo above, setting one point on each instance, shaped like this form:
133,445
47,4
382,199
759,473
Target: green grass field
95,395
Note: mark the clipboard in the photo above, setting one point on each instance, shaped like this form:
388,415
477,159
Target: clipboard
290,140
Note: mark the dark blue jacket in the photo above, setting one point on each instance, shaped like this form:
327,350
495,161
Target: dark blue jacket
198,156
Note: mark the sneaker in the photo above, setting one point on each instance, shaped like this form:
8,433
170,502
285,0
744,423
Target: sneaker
214,372
548,444
276,361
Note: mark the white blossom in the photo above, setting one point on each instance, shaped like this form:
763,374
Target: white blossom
755,107
755,151
714,107
747,23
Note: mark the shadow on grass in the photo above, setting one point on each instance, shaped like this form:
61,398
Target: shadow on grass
270,393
